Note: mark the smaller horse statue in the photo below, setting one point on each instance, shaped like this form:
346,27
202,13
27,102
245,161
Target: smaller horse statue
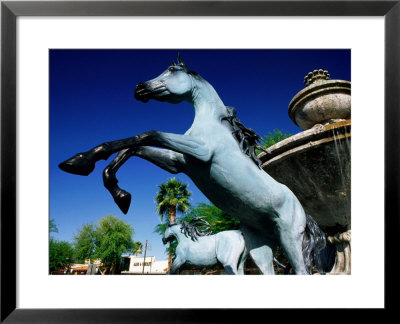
197,247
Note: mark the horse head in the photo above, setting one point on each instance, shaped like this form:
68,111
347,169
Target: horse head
169,233
173,85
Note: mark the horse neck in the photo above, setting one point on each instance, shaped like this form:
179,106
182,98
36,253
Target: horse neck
206,102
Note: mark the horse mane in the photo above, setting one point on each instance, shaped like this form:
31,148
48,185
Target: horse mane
246,137
195,228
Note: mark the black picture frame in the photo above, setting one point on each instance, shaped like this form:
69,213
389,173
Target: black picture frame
10,10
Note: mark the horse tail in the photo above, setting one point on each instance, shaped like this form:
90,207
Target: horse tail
316,250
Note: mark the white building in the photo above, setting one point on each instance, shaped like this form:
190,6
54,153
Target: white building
151,266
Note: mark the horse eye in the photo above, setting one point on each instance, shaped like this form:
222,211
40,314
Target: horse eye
171,69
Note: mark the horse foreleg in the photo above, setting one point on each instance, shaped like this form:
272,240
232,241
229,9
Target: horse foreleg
84,163
121,197
176,265
165,159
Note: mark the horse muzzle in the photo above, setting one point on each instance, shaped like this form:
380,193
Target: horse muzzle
142,93
151,90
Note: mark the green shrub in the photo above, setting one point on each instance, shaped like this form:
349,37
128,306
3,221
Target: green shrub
273,137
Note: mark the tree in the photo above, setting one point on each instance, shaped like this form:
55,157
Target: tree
85,243
114,238
219,220
61,255
274,137
137,248
52,226
108,240
171,198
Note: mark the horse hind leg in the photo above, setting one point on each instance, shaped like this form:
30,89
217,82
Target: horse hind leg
242,257
228,260
291,243
260,250
230,264
229,246
230,269
263,258
121,197
235,266
242,261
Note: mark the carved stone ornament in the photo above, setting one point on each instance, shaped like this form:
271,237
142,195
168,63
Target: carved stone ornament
322,101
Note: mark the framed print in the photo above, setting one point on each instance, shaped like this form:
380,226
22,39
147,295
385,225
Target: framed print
81,37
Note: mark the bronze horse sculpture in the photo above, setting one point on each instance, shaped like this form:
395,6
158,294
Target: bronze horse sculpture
198,247
218,153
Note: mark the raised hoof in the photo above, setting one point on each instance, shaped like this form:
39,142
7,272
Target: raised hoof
78,164
123,200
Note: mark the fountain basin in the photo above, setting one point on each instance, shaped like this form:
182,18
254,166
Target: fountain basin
315,164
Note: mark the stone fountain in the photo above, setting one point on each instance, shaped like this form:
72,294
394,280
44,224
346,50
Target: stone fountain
316,163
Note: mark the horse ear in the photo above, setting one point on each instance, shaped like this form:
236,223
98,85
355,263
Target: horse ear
180,61
173,63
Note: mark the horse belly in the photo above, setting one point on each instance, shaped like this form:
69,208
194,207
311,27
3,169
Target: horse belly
244,189
202,253
236,185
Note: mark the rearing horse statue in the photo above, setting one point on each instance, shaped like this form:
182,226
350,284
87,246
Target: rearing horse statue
217,153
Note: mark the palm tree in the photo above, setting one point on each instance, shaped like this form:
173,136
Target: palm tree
137,248
171,198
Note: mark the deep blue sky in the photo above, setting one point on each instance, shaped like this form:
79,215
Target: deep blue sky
92,101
